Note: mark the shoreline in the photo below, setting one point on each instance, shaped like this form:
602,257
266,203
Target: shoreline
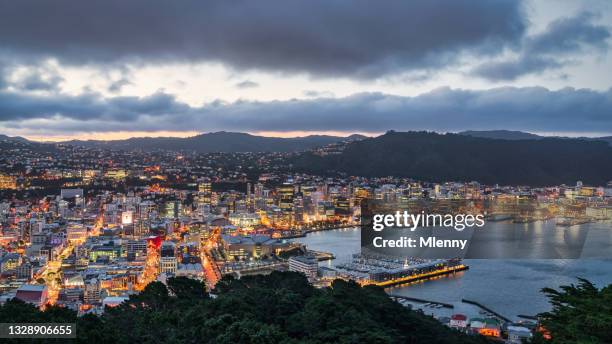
308,231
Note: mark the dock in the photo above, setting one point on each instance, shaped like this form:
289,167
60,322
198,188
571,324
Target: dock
322,256
486,309
414,299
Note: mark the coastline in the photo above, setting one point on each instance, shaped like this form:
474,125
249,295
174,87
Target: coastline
303,233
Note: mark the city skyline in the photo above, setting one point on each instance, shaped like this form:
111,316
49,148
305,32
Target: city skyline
536,66
347,171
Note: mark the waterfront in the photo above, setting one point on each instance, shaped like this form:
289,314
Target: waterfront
510,287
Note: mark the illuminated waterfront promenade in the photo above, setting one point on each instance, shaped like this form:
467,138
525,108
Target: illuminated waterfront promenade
422,276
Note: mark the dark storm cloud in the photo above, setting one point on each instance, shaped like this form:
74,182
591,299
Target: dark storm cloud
37,82
34,78
3,81
86,107
355,38
117,85
246,84
562,39
444,109
570,35
515,68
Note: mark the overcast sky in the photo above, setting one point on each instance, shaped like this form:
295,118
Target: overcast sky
114,68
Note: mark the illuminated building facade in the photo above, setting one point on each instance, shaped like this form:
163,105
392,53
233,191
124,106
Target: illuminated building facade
8,182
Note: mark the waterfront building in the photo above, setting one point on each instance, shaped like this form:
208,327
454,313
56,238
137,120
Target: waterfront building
458,321
308,265
252,246
487,327
244,220
518,334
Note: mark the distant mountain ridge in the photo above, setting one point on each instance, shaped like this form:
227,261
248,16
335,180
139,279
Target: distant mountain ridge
501,134
436,157
13,142
12,138
521,135
225,142
428,156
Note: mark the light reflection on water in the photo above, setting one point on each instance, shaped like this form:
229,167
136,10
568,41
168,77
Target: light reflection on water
510,287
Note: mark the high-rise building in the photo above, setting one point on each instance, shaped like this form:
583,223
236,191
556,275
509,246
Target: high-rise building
92,292
205,192
173,209
259,190
167,260
286,193
342,206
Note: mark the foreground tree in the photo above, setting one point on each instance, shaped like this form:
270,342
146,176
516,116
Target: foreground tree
279,308
580,313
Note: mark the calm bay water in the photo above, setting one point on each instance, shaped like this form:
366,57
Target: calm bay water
510,287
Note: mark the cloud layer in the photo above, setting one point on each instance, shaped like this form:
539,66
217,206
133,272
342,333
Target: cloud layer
562,40
45,46
444,109
355,38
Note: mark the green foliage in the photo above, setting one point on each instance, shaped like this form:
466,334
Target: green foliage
279,308
187,288
17,311
580,314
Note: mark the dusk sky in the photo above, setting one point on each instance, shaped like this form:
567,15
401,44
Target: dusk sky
115,69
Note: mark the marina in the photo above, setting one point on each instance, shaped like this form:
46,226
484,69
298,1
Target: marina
387,271
518,280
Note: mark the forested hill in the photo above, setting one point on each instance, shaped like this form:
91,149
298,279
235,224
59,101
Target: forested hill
451,157
279,308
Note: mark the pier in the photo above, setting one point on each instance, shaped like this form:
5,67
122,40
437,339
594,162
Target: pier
414,299
486,309
321,255
423,276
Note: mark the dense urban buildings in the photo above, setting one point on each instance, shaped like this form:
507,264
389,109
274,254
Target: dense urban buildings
85,228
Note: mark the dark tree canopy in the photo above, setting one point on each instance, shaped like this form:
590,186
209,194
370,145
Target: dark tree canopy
279,308
580,314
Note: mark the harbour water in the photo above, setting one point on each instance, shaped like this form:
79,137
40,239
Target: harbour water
509,287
